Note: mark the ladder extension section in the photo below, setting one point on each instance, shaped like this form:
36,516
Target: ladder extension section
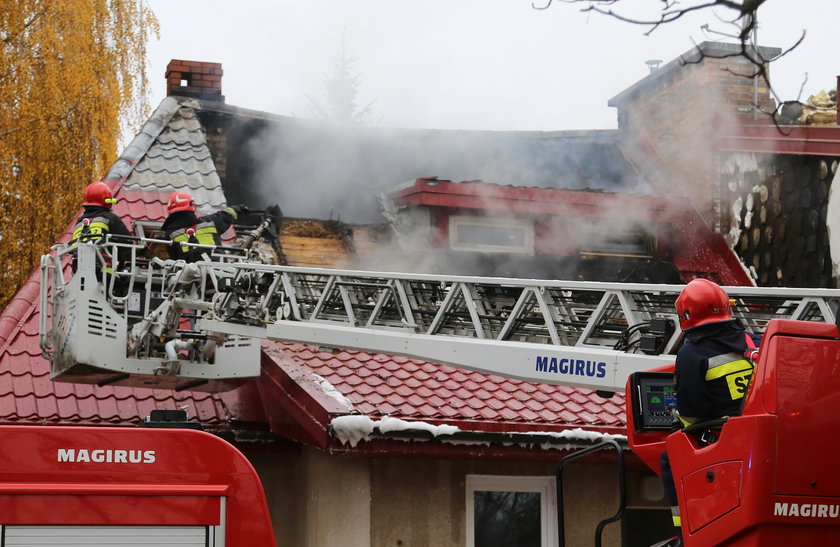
577,333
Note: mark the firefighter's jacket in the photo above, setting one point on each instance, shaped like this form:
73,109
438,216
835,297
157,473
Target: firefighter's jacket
183,228
712,373
96,222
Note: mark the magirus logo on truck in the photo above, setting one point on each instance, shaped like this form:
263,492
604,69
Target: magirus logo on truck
811,510
574,367
105,455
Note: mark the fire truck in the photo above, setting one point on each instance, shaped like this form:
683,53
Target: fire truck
128,486
765,479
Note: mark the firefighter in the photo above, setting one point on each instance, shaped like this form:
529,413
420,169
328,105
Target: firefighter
97,219
183,227
713,367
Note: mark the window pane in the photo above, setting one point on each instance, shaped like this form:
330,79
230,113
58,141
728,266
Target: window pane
497,236
503,519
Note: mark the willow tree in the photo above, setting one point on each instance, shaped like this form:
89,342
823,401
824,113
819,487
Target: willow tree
72,75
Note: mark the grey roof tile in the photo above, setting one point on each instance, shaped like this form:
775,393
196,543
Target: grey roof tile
143,140
178,158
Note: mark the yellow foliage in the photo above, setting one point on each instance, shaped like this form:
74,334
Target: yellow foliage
72,74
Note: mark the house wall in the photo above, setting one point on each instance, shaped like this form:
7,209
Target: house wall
280,474
775,212
678,113
320,500
772,208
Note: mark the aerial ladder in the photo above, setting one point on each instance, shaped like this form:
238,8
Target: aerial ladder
171,324
161,323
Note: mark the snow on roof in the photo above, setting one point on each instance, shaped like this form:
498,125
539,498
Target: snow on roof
354,429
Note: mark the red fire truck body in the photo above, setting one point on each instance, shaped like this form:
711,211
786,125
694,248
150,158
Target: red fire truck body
770,478
64,485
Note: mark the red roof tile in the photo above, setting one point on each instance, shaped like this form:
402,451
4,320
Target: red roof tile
381,385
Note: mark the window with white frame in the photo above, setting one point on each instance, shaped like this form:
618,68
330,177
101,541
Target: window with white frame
505,510
493,235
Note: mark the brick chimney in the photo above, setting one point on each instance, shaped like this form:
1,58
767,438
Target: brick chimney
674,114
709,80
194,79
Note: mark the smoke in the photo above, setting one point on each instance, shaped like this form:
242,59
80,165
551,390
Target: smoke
666,145
315,170
674,124
322,171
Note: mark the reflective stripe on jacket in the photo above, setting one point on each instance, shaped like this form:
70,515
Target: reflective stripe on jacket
93,230
90,230
727,378
204,233
731,370
208,230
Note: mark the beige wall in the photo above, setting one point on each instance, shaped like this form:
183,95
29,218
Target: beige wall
279,473
316,500
319,500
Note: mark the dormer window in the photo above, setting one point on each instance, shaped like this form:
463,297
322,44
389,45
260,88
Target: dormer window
491,235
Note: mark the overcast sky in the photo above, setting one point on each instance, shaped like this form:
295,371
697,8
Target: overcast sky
463,64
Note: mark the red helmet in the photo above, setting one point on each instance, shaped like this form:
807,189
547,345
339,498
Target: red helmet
98,193
702,302
180,201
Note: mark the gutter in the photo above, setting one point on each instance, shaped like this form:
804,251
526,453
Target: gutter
542,439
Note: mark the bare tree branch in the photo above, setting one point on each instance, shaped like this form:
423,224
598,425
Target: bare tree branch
744,17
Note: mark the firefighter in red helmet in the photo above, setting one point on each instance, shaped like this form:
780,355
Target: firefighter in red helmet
183,227
712,372
713,367
97,219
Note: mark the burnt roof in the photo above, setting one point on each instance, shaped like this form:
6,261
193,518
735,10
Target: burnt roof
315,169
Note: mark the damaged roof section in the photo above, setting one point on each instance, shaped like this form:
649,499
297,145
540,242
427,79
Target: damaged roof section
551,233
317,170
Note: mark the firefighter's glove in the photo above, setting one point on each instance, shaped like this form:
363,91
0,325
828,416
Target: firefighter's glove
240,210
676,423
